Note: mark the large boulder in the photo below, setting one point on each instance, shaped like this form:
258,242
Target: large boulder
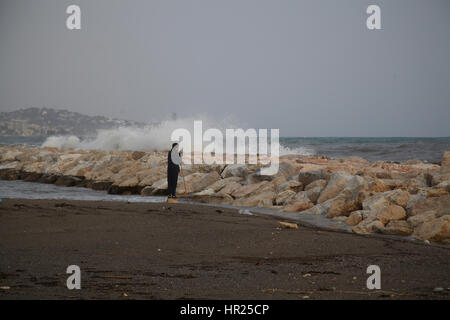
258,177
307,177
49,179
147,177
356,217
383,174
260,199
314,193
320,208
377,185
438,178
413,200
9,173
207,180
158,188
415,183
69,157
136,155
220,184
283,197
80,170
68,181
130,182
285,170
68,165
417,220
187,185
318,183
235,170
342,206
126,172
279,180
439,205
209,196
249,189
396,227
230,187
100,185
437,230
367,226
335,185
382,200
354,185
445,164
104,175
46,156
293,185
436,192
147,191
444,185
299,202
31,176
202,168
35,167
128,186
380,212
392,212
11,155
354,193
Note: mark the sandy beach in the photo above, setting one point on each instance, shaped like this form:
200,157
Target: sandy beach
186,251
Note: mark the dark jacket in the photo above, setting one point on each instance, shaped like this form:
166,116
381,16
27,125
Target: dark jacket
171,167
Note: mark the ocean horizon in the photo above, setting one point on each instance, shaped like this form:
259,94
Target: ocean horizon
397,149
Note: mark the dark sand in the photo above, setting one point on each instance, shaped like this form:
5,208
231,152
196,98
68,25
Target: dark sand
181,251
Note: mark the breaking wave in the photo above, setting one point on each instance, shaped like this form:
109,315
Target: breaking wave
152,137
296,150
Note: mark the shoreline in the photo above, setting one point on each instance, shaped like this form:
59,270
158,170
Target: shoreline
307,221
408,199
189,251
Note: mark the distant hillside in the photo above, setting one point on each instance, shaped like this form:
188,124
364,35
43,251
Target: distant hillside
47,121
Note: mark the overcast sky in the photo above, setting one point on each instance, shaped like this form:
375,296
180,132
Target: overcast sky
310,68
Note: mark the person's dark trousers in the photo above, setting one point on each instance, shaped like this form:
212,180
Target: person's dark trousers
172,180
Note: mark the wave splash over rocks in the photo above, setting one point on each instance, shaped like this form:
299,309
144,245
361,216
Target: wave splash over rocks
152,137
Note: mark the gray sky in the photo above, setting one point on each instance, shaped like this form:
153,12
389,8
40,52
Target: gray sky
310,68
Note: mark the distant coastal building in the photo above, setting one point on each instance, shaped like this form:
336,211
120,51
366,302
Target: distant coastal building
47,121
18,126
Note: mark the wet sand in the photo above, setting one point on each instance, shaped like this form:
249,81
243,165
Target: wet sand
185,251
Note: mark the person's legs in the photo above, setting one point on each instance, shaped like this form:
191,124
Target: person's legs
169,186
174,185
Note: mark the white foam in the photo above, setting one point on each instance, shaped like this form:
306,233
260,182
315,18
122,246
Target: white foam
62,142
297,150
152,137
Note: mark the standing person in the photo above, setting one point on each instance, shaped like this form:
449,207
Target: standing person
173,168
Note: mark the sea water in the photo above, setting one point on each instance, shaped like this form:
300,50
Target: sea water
18,189
371,149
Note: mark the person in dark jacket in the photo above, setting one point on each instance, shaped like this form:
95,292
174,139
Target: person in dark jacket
173,168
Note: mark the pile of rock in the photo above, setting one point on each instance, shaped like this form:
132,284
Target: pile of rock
409,198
